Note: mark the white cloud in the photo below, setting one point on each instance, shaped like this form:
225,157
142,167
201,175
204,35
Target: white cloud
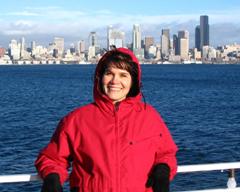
56,20
23,13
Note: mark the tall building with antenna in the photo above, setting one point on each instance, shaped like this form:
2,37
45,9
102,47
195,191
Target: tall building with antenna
204,31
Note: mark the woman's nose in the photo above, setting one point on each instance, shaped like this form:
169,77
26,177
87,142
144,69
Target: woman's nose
115,79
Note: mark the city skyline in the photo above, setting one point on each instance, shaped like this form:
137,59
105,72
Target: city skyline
74,20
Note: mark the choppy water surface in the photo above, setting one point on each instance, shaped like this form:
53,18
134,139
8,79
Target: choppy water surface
200,104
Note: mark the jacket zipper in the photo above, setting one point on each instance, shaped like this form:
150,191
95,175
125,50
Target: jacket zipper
116,108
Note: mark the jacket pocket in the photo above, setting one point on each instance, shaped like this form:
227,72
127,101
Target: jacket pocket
153,138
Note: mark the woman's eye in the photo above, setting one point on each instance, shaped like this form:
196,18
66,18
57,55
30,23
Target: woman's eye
107,73
124,75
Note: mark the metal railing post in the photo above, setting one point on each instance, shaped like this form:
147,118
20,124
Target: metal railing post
231,183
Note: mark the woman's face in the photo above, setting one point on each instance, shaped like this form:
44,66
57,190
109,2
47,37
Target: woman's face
116,83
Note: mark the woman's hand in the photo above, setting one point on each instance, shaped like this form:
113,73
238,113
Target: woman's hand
159,178
51,183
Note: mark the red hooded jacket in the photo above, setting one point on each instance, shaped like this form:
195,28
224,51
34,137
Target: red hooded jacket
110,149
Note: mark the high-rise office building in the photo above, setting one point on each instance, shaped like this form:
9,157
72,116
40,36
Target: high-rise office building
149,41
33,45
137,42
204,31
175,44
14,49
82,46
136,36
115,37
22,49
109,31
165,42
59,45
93,39
183,40
93,48
197,38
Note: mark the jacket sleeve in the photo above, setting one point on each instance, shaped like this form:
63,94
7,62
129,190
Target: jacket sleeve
166,152
54,158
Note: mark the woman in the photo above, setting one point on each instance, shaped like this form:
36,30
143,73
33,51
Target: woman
116,144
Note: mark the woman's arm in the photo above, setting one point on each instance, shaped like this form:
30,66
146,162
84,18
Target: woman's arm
54,158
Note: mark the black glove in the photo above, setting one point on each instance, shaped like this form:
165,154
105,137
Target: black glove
51,183
159,178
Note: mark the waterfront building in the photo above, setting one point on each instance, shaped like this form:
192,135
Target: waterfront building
5,59
91,53
158,53
174,58
212,54
2,51
40,52
204,31
197,55
33,47
59,45
14,49
72,49
115,37
152,52
205,52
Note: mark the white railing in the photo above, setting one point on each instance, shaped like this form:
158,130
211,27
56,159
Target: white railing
230,187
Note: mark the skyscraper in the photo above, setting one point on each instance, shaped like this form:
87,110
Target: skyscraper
109,31
136,37
93,39
175,44
33,45
82,46
149,41
59,45
197,38
22,50
137,42
183,39
14,49
204,31
165,42
115,37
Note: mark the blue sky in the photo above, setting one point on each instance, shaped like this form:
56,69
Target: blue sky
74,19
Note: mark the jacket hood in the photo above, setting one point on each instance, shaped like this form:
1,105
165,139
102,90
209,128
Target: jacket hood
100,98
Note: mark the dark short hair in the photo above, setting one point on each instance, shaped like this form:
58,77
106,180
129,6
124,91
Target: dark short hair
122,61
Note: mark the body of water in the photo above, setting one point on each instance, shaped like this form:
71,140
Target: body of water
199,103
